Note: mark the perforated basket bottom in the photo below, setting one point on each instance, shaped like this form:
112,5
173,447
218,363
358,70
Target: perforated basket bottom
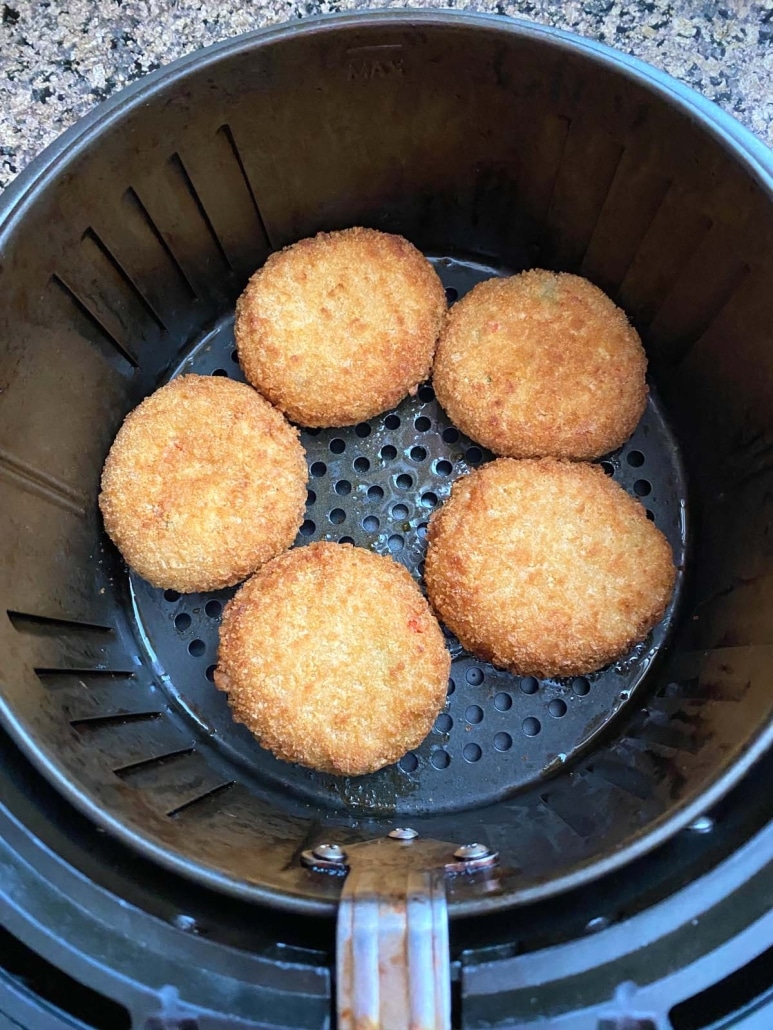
375,485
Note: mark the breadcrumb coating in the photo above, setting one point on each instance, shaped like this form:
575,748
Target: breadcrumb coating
340,327
332,658
542,364
546,567
204,482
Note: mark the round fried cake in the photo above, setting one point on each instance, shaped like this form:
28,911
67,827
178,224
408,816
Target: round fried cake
204,482
546,567
332,658
541,364
340,327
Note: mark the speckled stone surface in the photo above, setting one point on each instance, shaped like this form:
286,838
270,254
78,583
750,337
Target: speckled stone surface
59,59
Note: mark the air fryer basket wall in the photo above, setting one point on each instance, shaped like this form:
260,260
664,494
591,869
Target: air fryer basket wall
506,144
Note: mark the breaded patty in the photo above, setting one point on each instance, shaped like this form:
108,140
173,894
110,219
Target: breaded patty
545,567
204,482
340,327
541,364
332,658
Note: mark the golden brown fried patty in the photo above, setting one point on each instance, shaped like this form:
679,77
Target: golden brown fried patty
541,364
204,482
545,567
338,328
332,657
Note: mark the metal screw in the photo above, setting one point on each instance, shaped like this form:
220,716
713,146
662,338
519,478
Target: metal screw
467,852
403,833
187,923
703,824
597,924
330,853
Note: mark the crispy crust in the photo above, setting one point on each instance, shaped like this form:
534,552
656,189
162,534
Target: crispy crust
332,658
204,482
340,327
545,567
541,364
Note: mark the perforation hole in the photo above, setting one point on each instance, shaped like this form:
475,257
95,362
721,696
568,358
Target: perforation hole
474,676
529,685
503,741
581,686
450,435
311,497
444,723
318,469
443,467
557,708
429,499
210,673
474,455
346,540
235,357
337,446
608,467
375,493
219,372
421,530
451,294
343,488
196,648
392,422
531,726
362,430
642,488
426,393
400,512
635,459
440,759
213,609
409,763
396,543
404,482
308,528
422,424
388,452
473,714
418,453
472,752
171,596
451,688
361,464
370,524
503,702
182,622
337,516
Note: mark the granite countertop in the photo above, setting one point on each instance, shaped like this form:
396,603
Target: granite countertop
59,59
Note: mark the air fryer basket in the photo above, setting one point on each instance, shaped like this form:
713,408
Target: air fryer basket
493,147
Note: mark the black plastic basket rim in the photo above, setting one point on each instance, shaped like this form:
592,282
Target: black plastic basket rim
733,137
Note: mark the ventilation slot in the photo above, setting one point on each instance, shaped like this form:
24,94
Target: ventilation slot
177,215
674,235
541,159
45,625
34,481
632,205
588,168
215,176
707,284
91,326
